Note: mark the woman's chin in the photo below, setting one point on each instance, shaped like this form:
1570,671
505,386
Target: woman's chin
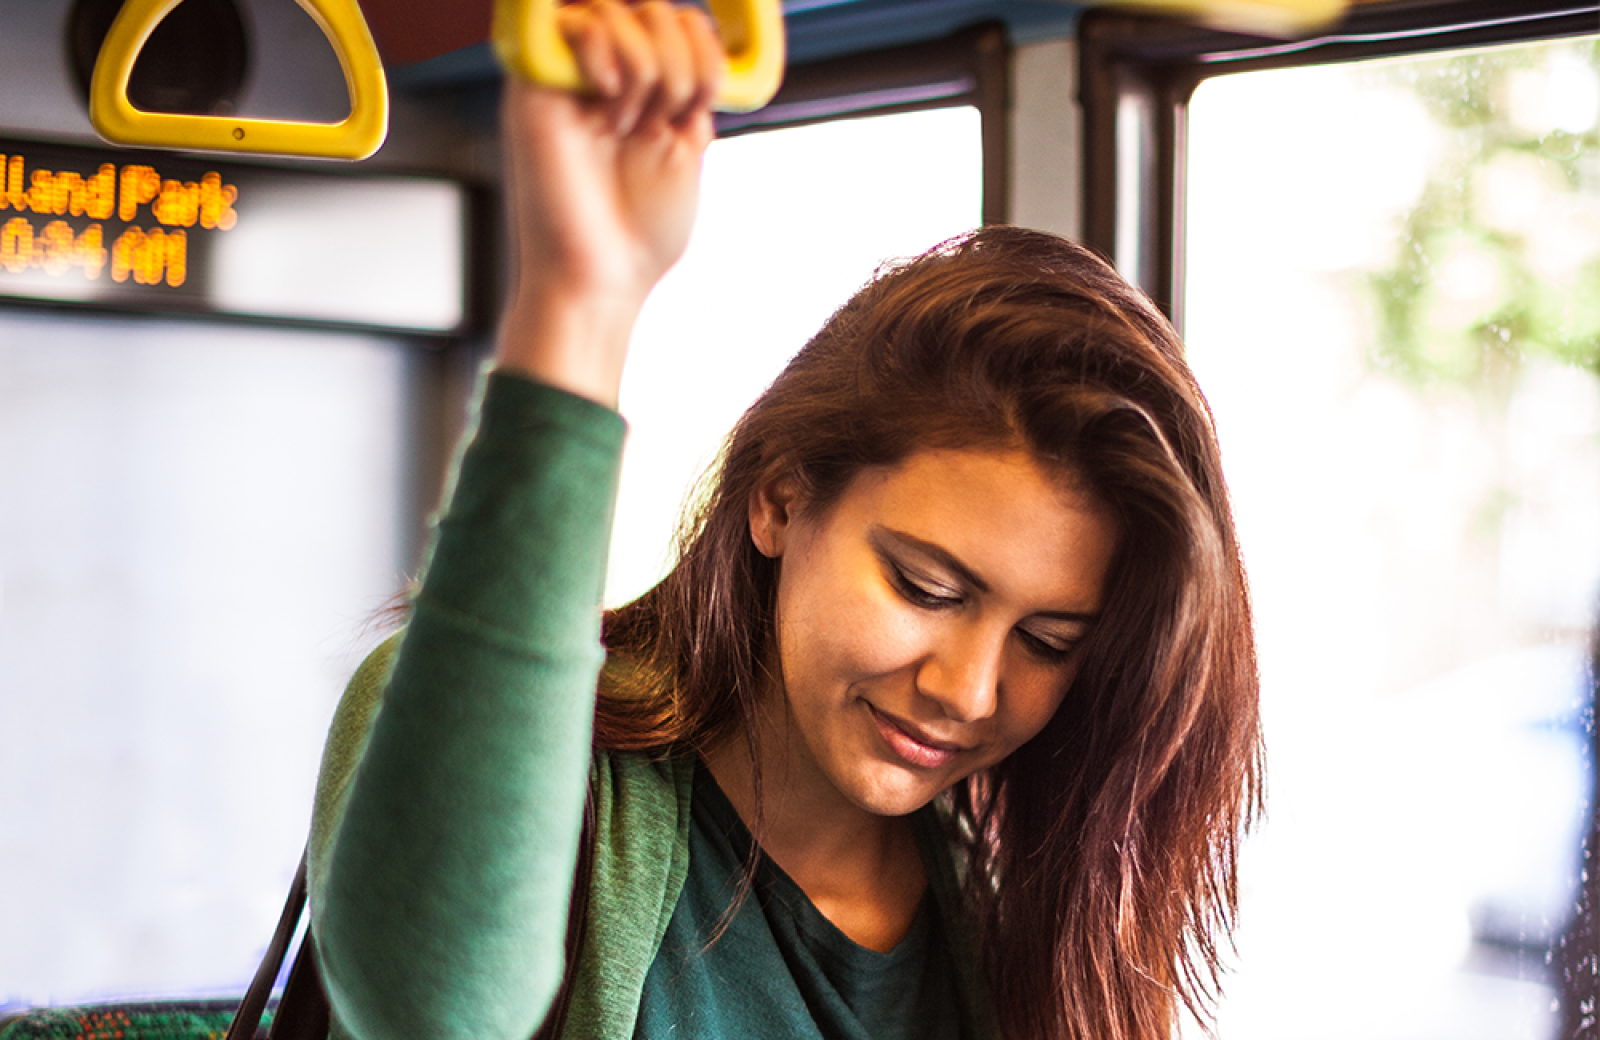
888,791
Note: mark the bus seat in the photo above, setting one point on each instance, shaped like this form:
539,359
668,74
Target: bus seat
134,1020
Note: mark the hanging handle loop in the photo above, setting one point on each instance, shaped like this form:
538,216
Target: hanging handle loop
1285,18
530,46
356,137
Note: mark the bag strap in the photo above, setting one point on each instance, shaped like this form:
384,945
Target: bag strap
303,1013
303,1009
248,1018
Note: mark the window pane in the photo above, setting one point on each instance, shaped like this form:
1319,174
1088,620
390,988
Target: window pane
791,223
1394,305
196,524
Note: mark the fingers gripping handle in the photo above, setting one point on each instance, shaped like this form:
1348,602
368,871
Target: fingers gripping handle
356,137
530,46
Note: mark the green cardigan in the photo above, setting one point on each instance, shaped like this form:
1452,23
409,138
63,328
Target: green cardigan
641,835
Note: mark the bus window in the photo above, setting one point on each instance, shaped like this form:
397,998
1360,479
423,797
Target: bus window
176,623
1391,274
791,223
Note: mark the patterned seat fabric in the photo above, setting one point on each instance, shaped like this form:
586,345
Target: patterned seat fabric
152,1020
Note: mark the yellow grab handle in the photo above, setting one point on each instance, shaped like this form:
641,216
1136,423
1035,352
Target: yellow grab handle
356,137
530,46
1267,17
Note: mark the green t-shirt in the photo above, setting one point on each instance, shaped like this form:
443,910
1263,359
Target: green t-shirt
781,969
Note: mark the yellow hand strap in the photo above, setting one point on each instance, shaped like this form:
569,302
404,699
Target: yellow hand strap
1268,17
357,137
530,46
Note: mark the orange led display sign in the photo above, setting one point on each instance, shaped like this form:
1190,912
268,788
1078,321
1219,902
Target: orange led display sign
176,234
56,221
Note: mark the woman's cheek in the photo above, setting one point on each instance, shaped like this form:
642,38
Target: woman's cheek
891,633
1035,700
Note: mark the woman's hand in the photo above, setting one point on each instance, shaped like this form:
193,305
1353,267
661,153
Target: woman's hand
603,187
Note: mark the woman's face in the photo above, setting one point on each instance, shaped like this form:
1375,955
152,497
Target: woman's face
927,622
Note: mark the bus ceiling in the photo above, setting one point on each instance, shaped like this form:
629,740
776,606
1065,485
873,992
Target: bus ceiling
432,45
425,43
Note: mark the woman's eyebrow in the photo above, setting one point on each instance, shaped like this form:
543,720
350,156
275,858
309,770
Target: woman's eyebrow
939,554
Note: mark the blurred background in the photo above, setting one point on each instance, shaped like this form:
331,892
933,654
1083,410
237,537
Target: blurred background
1382,245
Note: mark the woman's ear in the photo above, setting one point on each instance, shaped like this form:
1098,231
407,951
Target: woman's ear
771,504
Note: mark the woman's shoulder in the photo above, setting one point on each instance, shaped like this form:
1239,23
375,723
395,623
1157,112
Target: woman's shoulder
650,791
352,719
347,739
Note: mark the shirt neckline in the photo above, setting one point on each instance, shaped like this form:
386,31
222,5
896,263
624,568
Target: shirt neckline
775,886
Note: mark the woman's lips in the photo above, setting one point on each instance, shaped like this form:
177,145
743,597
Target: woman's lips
911,744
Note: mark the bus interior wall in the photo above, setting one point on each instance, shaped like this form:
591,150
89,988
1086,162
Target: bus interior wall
199,522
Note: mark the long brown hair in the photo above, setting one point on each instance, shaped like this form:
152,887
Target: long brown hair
1102,854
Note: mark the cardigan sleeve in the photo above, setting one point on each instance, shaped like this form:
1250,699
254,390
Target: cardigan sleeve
446,833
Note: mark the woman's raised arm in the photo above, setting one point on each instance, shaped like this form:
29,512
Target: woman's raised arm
440,890
603,192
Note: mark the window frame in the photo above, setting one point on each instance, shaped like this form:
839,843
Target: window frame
970,67
1138,72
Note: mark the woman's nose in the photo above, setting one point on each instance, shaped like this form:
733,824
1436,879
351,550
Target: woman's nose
962,675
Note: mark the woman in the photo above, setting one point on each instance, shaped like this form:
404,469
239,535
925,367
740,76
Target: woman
944,725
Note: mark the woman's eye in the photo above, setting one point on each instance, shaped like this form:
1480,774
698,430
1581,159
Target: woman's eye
917,592
1048,649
